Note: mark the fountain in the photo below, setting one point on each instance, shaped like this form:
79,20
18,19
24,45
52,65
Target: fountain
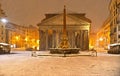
64,46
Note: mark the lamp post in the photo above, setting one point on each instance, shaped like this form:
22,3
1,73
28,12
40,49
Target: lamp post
26,41
101,42
17,39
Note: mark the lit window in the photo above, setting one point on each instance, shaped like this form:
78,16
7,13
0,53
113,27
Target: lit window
1,38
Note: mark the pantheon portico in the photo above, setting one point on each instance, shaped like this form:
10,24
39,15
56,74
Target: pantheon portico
77,25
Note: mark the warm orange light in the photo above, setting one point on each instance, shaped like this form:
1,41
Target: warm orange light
37,41
26,39
33,40
33,47
50,31
17,37
101,39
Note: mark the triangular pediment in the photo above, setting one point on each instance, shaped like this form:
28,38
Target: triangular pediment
58,20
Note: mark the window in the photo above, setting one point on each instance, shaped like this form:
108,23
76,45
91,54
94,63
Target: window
2,26
118,36
115,29
116,11
118,19
1,32
1,38
118,27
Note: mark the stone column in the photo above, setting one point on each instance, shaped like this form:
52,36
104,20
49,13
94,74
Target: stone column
81,39
73,39
57,38
54,39
69,34
42,40
60,35
50,40
85,40
77,41
46,35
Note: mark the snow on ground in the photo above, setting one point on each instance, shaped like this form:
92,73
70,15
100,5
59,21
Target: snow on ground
23,64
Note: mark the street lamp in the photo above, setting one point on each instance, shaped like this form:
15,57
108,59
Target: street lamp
3,20
17,40
101,39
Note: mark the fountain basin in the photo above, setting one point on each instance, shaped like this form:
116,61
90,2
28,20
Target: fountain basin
64,50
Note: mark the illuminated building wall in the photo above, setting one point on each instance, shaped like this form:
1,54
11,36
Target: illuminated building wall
115,21
92,38
2,26
2,32
32,37
77,27
22,36
103,35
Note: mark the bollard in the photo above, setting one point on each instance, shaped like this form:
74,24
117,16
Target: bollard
34,54
93,52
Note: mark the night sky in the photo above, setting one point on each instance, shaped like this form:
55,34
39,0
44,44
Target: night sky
31,12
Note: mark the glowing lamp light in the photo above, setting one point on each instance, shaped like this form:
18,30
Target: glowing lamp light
4,20
38,48
26,39
17,37
37,41
101,39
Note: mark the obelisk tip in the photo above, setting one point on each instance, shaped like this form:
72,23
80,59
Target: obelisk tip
64,6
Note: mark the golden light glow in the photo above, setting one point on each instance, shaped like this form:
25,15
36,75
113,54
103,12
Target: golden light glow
38,48
33,40
29,38
50,31
101,39
26,39
33,47
37,41
17,37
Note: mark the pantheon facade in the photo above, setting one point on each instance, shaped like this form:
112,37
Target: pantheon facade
77,26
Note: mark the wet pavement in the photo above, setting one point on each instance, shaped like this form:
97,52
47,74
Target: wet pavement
21,63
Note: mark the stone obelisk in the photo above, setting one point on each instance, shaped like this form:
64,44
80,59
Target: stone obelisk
64,43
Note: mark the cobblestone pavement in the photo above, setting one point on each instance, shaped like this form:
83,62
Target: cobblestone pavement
21,63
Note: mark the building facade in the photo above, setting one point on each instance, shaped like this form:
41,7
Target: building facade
2,27
114,8
92,40
115,21
103,35
77,26
22,36
2,33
